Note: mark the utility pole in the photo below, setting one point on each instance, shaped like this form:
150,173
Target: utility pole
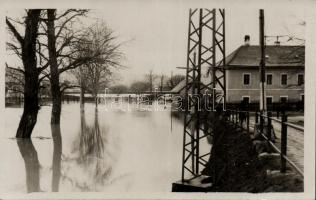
262,61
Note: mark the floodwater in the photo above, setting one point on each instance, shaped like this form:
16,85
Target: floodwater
104,150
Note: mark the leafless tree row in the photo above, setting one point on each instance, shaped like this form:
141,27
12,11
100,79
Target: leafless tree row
50,42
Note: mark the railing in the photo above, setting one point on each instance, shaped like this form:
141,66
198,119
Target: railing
263,123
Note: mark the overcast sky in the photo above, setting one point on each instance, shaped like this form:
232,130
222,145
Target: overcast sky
157,32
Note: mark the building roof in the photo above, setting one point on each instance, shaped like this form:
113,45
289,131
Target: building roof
179,87
275,56
205,79
249,55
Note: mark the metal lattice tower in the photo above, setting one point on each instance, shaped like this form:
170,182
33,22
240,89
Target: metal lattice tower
205,73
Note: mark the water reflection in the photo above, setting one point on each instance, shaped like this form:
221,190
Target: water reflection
91,143
92,158
57,140
32,166
96,150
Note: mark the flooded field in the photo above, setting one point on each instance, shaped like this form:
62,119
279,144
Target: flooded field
106,150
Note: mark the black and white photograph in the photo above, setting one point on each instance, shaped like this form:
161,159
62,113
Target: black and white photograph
157,99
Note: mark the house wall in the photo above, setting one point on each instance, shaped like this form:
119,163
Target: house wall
236,89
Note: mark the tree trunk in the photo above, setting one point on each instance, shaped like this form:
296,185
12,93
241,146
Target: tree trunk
56,108
96,100
32,166
57,140
55,87
31,107
31,85
82,91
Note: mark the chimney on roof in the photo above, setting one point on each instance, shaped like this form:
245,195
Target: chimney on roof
247,40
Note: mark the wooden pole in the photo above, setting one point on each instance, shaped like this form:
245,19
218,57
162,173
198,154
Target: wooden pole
262,61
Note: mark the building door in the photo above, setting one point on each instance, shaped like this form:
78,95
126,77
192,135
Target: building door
246,99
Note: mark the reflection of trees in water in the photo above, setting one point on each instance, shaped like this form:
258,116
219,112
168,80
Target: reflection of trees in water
91,143
91,148
32,165
57,140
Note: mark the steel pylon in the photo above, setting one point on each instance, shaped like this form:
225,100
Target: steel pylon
205,88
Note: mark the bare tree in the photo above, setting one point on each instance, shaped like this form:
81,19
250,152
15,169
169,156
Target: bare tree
63,56
161,82
81,76
118,89
95,76
63,51
139,87
55,52
150,78
26,50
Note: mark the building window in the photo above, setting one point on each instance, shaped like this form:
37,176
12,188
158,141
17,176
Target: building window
269,79
284,79
300,79
269,100
246,99
283,99
269,103
246,79
302,97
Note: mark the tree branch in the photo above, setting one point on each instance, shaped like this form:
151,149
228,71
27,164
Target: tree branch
78,13
14,31
15,69
65,87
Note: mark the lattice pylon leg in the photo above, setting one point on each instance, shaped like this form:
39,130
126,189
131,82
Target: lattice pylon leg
206,36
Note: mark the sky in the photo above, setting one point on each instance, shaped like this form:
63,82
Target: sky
155,32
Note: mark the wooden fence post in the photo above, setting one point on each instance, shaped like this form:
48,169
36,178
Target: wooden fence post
283,142
269,126
248,122
234,117
256,117
261,122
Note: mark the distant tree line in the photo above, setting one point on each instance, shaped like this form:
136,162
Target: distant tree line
149,84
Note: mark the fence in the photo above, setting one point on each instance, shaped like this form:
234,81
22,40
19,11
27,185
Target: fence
263,126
